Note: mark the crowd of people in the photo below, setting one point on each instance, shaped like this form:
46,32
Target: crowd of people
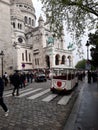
91,76
18,80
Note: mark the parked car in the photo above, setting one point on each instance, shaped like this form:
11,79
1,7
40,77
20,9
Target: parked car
40,78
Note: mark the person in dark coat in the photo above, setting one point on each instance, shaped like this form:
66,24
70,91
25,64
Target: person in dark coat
31,77
2,104
89,76
22,80
16,83
28,77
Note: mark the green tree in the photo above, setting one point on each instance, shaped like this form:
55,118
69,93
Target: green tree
77,15
81,64
93,40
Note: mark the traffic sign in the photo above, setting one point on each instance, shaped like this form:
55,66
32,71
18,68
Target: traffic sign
23,65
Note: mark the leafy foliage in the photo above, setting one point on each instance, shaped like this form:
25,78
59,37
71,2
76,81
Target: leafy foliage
77,15
93,40
81,64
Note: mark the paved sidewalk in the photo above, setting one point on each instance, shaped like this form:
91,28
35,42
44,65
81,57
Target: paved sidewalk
34,114
84,115
8,87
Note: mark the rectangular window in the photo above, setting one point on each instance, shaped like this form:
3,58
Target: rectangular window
37,61
26,55
22,56
29,57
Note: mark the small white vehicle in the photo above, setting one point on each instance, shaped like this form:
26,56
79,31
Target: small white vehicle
64,80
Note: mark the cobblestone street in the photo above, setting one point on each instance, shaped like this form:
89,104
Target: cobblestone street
35,113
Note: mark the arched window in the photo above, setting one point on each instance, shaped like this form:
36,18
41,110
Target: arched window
63,60
18,25
47,61
30,21
33,22
69,60
57,57
13,25
25,19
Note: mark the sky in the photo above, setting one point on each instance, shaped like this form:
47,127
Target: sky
37,5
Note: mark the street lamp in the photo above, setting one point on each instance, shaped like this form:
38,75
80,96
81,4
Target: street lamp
1,55
87,44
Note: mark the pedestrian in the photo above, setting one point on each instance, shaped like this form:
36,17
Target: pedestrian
31,77
16,83
3,105
22,80
28,77
89,76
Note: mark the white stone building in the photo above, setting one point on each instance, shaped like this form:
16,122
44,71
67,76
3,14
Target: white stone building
25,45
5,36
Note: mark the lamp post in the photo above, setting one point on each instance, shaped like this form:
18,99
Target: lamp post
87,45
88,65
1,55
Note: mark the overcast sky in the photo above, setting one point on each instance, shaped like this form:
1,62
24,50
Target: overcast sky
37,5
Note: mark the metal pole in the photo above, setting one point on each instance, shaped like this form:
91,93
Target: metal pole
87,52
87,45
2,54
2,65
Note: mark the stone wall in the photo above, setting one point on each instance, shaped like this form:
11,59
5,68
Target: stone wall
5,34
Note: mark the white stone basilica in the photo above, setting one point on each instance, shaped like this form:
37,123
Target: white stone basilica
25,45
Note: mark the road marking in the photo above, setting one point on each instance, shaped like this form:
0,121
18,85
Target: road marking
50,97
21,91
7,92
39,94
24,94
64,100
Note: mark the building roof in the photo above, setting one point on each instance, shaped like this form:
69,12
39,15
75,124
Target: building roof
16,13
27,2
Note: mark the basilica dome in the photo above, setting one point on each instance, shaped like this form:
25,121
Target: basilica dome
26,2
16,13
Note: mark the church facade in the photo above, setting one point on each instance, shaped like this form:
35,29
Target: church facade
25,45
